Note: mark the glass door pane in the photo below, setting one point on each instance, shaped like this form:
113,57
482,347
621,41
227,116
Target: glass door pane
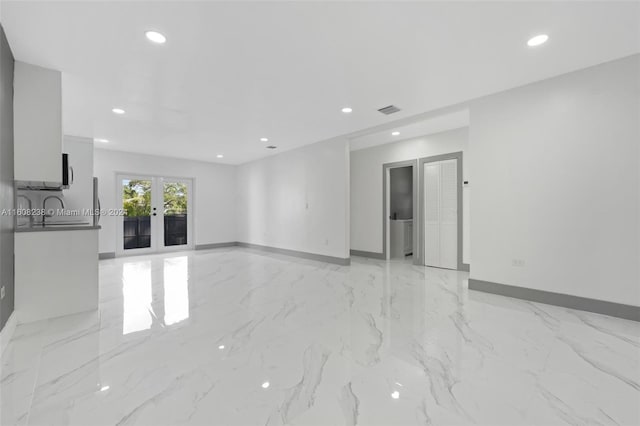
175,196
136,202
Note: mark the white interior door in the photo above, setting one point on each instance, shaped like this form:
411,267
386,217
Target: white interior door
449,214
441,214
432,214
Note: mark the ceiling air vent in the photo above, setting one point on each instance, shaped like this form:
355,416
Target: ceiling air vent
389,109
271,147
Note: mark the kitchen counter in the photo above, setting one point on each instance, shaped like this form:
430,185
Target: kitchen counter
46,228
57,271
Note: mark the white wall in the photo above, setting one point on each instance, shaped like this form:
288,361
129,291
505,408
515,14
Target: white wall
297,200
366,183
213,184
555,170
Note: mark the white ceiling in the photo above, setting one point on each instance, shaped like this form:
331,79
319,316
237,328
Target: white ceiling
233,72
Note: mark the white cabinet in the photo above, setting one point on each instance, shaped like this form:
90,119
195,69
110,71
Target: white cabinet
408,237
56,273
37,104
401,238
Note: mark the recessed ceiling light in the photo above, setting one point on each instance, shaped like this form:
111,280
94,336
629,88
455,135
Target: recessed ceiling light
118,111
537,40
347,110
264,139
265,385
155,37
395,133
220,156
101,140
221,347
395,394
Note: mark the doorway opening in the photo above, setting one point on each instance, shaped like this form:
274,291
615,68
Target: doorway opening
399,211
158,214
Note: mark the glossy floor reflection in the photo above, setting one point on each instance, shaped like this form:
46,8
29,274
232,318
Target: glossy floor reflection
235,337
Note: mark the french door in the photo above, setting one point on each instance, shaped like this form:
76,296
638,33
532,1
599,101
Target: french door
158,214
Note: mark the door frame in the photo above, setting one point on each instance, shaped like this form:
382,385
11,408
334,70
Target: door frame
421,214
386,197
157,231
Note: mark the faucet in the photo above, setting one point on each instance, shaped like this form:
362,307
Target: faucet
44,203
30,207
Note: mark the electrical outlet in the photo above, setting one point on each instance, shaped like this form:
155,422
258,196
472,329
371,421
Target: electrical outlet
519,263
2,292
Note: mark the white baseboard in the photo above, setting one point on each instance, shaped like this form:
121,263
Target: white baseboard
7,331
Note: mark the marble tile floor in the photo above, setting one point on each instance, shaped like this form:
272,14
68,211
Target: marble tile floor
237,337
